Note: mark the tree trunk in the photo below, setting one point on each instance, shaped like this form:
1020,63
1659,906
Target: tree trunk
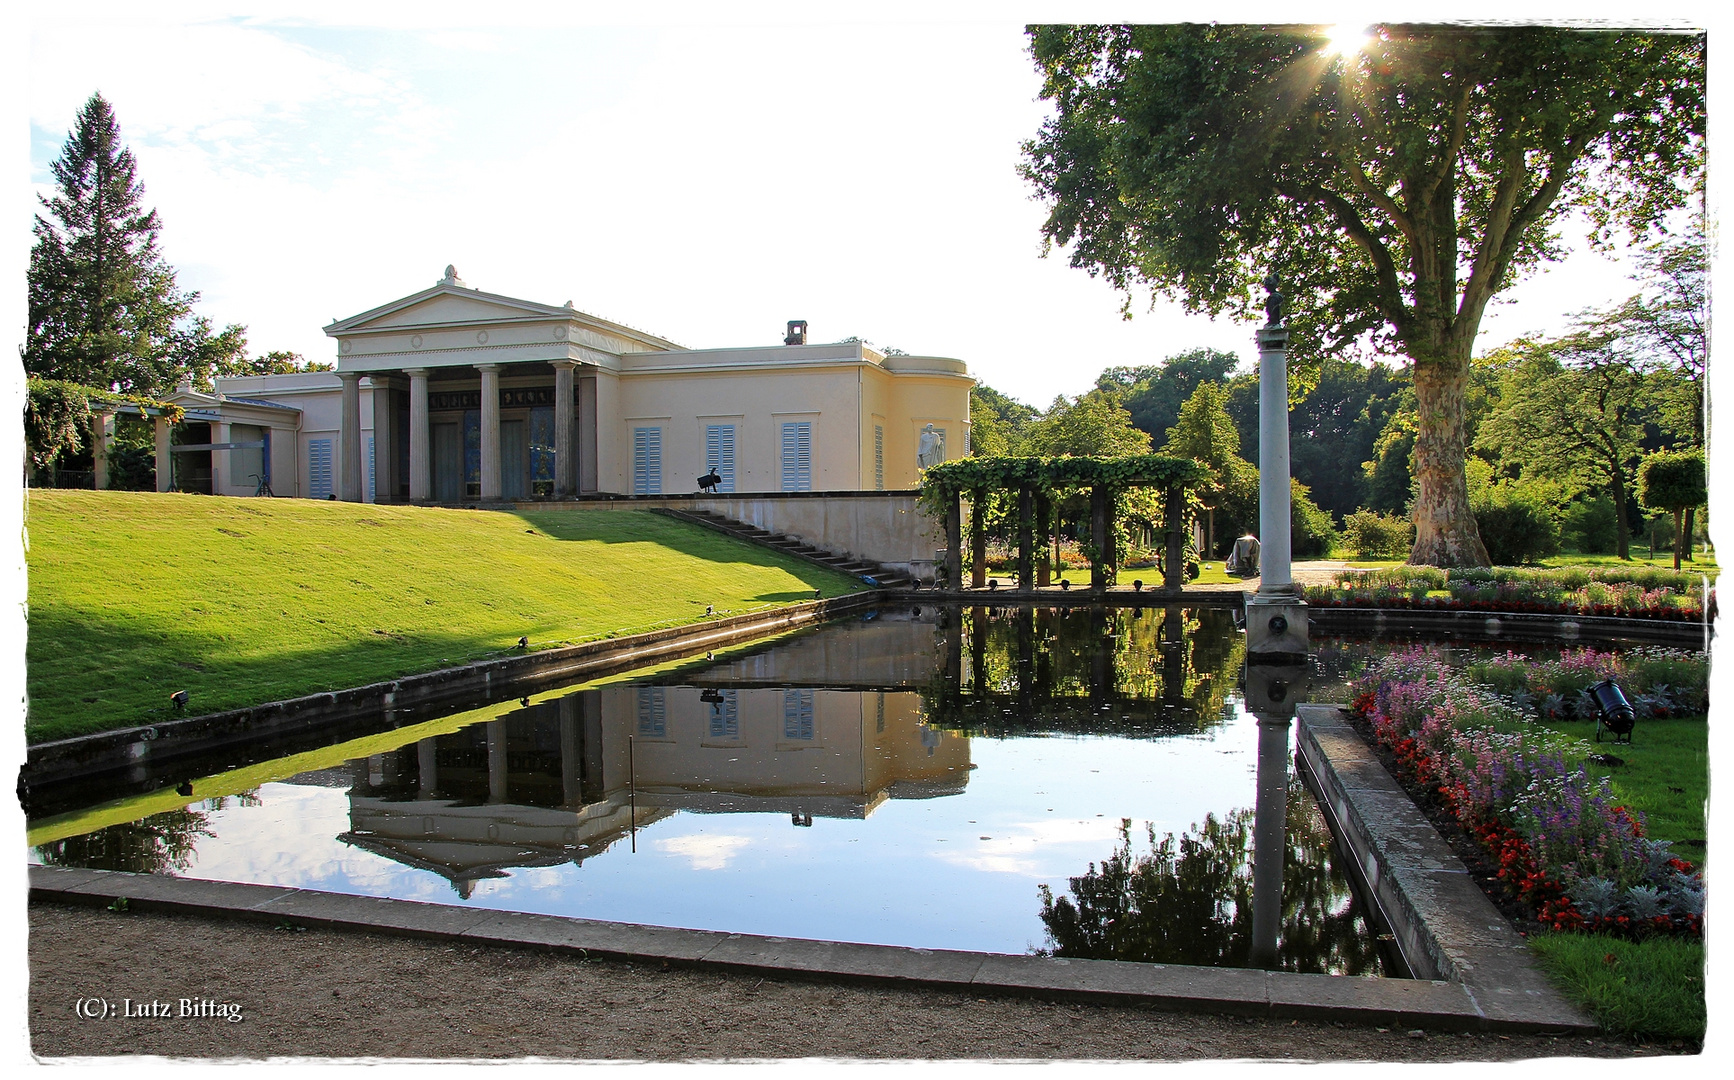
1691,524
1445,532
1678,515
1622,527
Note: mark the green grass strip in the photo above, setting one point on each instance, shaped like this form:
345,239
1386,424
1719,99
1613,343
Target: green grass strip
134,595
1646,990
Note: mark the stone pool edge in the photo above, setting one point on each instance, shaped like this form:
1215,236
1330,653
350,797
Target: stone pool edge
1411,1003
1444,925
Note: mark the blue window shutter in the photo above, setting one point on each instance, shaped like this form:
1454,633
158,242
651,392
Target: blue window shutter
370,470
647,461
719,453
319,468
798,456
878,457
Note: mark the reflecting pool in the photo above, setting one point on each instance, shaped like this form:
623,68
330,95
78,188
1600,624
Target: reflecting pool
1077,781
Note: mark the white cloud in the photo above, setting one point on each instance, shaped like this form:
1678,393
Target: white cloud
706,851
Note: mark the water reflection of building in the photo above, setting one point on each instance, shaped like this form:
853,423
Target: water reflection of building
563,781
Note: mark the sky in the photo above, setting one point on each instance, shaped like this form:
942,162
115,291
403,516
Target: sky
705,183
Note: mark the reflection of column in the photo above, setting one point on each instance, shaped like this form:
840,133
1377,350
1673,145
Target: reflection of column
1269,843
978,650
490,430
953,653
571,752
1026,631
565,411
1173,657
165,457
592,783
420,474
496,761
1101,656
427,768
1044,680
101,427
349,487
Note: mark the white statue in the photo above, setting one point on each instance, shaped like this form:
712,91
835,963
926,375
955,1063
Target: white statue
932,448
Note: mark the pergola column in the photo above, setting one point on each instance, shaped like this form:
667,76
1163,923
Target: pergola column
165,458
978,539
1045,527
490,430
420,472
953,540
565,417
1026,540
1101,536
349,487
101,429
1174,564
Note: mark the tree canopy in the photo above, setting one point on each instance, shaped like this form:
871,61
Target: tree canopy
1394,190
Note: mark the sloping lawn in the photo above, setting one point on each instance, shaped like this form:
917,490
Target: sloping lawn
134,596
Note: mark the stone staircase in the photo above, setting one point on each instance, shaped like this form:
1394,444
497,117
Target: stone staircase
883,577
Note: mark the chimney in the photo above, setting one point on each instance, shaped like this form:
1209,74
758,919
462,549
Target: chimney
797,332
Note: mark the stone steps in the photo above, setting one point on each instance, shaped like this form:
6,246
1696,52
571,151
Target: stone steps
882,576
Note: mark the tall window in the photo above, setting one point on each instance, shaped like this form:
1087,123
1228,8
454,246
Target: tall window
798,715
319,468
652,711
719,453
725,716
798,456
647,461
542,450
878,457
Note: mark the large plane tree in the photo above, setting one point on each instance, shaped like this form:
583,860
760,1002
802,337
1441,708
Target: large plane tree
1394,183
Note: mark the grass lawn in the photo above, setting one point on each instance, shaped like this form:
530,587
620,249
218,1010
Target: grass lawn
1651,991
242,601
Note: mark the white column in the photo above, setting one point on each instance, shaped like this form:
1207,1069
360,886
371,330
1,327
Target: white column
349,487
165,459
384,439
587,433
490,430
565,408
101,431
420,474
221,468
1275,574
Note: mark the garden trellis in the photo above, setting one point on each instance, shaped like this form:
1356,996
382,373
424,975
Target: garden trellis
1037,483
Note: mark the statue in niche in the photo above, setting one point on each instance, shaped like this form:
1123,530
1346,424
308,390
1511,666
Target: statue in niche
1273,303
931,450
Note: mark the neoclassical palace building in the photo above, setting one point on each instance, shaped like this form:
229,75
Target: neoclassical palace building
453,394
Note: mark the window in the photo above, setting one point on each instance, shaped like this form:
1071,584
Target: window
798,456
647,461
319,468
878,457
719,453
798,715
472,453
725,716
652,711
542,451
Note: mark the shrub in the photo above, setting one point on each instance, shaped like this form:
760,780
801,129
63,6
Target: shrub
1516,527
1378,536
1588,526
1310,529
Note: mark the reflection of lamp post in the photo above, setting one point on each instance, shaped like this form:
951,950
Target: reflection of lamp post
1276,618
1272,691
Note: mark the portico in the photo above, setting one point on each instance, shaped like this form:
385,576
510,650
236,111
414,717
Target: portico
474,396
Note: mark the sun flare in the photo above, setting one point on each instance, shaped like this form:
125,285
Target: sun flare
1346,40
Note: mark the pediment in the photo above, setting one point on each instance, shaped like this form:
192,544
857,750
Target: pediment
443,306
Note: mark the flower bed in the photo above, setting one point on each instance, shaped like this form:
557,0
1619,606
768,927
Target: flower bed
1646,593
1563,844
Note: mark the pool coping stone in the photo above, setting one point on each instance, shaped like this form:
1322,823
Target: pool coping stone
1170,987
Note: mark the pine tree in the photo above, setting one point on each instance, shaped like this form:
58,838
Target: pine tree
105,309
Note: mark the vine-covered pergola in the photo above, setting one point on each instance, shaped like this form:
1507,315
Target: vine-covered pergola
1037,481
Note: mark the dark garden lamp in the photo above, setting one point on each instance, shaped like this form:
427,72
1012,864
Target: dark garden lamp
709,481
1613,711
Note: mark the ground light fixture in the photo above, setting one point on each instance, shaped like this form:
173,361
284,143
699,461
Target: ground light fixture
1613,711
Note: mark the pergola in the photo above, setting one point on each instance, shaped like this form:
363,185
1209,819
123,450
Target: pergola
1036,481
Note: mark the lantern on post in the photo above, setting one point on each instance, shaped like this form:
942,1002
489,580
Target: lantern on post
1613,711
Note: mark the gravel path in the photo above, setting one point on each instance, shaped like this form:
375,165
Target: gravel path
338,994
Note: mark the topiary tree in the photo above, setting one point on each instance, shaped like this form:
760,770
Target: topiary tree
1673,481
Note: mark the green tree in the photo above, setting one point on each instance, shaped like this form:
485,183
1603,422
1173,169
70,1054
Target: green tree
104,308
1674,482
1395,190
1204,432
997,423
1153,395
1572,407
1092,425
